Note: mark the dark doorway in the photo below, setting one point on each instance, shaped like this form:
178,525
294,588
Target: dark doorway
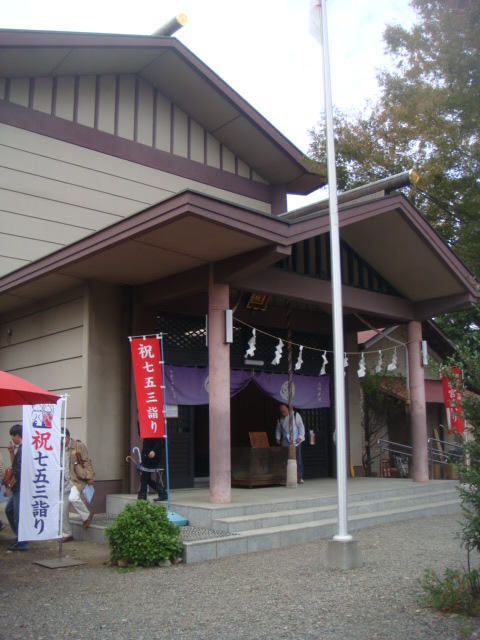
252,410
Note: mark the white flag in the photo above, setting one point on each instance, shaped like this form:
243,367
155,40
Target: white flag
40,484
315,20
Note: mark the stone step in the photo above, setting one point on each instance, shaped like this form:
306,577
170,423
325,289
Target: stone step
235,524
205,515
281,517
277,537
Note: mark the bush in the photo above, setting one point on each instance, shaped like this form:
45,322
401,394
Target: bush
143,535
458,591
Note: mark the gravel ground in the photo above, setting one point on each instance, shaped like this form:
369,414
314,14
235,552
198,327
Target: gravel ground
282,594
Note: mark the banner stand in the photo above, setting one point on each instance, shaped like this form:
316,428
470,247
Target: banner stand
61,561
173,517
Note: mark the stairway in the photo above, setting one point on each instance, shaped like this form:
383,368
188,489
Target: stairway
278,517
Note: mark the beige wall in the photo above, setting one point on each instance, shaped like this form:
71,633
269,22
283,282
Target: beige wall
45,346
106,379
128,107
76,345
53,193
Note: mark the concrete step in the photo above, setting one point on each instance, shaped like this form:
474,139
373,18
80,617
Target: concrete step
235,524
275,537
281,517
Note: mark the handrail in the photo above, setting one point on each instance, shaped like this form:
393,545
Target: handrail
441,455
405,451
435,455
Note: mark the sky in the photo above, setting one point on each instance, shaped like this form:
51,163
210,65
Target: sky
261,48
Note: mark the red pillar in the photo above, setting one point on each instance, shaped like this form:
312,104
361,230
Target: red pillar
219,392
418,410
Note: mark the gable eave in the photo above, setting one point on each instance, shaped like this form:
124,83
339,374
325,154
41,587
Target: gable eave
177,73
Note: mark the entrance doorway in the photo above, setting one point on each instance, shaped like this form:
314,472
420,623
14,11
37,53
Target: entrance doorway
252,410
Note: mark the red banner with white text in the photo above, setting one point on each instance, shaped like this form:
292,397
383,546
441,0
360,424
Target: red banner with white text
453,396
147,371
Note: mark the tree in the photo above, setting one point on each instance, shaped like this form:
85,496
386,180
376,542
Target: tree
426,117
459,590
460,326
468,358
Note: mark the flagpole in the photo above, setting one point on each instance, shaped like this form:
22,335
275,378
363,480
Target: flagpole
337,305
165,422
63,435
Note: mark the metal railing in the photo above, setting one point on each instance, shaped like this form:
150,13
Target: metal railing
439,452
442,452
402,454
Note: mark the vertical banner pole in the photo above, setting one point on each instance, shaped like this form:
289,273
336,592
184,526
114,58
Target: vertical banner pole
62,474
165,420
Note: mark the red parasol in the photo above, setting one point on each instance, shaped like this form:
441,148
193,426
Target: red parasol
15,390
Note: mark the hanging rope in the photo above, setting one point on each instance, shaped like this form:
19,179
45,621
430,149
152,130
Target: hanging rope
280,344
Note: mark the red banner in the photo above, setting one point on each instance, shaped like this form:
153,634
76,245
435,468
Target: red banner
147,371
453,397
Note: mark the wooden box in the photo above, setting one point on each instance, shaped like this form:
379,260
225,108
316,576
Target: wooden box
252,467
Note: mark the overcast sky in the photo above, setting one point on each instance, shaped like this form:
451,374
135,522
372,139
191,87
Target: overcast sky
261,48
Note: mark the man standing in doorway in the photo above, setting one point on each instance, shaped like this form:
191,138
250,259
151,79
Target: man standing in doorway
282,434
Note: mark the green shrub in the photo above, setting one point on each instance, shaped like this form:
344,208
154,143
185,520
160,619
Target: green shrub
457,592
142,535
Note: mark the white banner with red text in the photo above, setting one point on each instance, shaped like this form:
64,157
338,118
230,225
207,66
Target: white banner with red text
39,515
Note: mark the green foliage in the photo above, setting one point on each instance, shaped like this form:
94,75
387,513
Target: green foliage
142,535
457,592
426,117
461,326
469,361
380,404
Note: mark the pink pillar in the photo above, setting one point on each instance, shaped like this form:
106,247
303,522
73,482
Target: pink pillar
418,410
219,391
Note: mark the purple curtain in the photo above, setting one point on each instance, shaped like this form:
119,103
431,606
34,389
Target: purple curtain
309,392
189,386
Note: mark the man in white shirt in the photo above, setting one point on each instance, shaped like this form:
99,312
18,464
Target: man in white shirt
282,434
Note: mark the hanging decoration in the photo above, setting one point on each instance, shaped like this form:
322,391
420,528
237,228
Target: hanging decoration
251,345
299,362
361,367
278,352
393,365
378,368
324,365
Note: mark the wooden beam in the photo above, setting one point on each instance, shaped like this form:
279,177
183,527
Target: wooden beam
248,264
293,286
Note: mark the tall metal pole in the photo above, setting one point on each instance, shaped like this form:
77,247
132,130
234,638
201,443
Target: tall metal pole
338,348
292,451
160,337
